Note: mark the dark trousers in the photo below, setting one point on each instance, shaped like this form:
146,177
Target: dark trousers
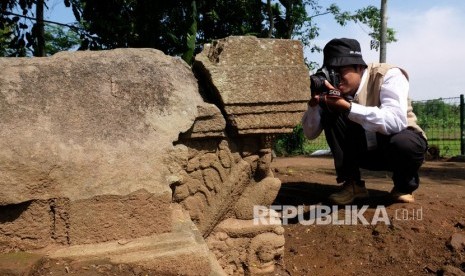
401,153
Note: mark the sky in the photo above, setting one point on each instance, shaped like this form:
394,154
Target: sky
430,42
430,46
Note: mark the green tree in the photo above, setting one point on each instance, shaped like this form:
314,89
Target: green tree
59,38
370,16
177,27
23,30
182,27
5,37
11,29
22,36
171,26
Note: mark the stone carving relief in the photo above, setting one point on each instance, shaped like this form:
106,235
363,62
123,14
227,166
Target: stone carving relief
102,149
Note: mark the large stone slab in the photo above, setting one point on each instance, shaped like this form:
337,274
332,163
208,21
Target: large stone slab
87,150
182,251
83,124
39,223
261,84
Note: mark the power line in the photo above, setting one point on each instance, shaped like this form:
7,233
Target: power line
45,21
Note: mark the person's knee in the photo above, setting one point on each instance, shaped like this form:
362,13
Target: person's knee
407,142
400,143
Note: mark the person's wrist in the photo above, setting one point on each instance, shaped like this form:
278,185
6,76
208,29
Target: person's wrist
313,102
349,109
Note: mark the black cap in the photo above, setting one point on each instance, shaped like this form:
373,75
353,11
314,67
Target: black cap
342,52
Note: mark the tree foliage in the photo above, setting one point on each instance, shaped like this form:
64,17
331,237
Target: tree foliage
436,113
178,27
23,30
59,39
14,34
369,16
175,27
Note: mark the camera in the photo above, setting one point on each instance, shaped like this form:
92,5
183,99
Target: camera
317,80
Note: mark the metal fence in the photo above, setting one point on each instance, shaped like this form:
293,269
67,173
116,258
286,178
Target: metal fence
442,119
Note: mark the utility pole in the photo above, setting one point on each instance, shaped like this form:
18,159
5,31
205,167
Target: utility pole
40,50
383,32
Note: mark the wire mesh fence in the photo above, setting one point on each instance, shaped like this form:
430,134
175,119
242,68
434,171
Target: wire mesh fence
442,120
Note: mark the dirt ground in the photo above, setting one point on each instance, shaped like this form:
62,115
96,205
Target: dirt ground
422,238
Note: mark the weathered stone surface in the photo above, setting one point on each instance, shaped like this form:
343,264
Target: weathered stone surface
97,147
245,247
28,225
456,242
136,215
86,150
449,270
182,251
224,184
209,123
262,193
78,125
262,84
219,193
18,263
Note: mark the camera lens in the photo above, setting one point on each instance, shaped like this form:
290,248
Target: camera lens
317,83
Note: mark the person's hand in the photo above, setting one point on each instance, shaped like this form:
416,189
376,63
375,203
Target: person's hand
329,85
334,103
331,101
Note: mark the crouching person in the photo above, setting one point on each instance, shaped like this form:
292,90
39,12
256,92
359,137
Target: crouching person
366,115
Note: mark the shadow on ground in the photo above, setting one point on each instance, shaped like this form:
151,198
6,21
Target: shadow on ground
308,195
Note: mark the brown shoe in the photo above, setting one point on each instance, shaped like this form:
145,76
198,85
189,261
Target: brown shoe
401,197
349,192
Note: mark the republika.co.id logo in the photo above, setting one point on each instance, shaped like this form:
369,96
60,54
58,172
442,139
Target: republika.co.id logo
330,215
